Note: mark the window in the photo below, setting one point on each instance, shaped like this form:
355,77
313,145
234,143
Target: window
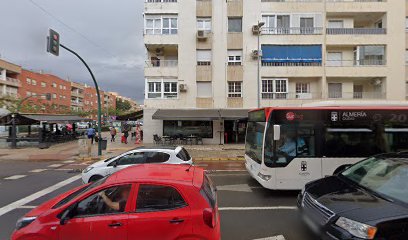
169,25
204,24
156,157
54,85
28,94
370,55
303,90
204,89
170,89
335,24
274,88
113,200
204,57
129,159
234,57
161,25
203,129
234,24
60,87
54,96
33,82
358,91
158,198
162,88
306,25
43,84
235,89
334,59
335,90
183,155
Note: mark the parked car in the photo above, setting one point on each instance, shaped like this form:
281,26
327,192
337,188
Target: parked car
141,155
369,200
147,201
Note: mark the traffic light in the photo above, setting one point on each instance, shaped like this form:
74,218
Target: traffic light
53,42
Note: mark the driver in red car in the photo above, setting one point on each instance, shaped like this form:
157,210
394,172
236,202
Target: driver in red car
120,204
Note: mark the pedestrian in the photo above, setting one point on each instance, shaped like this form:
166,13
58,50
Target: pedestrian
91,134
113,134
125,135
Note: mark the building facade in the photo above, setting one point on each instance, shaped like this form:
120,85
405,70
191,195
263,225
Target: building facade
9,83
226,56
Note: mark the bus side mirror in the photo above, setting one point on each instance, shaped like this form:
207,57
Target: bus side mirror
276,132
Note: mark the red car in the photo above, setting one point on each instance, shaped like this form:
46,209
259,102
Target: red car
141,202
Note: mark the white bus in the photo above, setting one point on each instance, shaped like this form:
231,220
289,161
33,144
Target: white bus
287,147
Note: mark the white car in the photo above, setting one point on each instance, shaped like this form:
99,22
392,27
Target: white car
142,155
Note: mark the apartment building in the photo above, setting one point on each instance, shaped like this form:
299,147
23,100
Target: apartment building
210,61
77,96
36,85
9,83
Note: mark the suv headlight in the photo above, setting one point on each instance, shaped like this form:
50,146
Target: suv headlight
357,229
87,169
24,221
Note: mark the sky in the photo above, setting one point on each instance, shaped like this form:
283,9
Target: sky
108,34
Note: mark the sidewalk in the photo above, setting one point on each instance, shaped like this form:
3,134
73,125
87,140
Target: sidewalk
69,151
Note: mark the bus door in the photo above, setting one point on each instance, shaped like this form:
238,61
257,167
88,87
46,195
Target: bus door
297,159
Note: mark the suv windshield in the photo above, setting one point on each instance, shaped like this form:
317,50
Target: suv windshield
386,176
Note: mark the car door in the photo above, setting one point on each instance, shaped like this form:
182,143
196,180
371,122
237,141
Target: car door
93,218
161,214
125,161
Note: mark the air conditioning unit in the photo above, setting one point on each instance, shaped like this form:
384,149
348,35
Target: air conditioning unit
256,54
159,51
183,87
202,35
256,29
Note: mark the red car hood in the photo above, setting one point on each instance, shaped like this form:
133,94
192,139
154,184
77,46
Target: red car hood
49,204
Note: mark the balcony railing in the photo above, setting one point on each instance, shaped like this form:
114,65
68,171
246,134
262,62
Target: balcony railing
292,31
292,63
292,95
12,80
160,1
356,95
355,63
356,31
162,63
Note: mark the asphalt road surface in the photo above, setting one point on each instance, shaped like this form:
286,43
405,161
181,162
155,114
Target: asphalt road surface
247,210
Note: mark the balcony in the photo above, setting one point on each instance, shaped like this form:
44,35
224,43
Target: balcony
10,82
357,95
291,5
292,31
355,68
76,103
161,6
356,31
161,39
76,93
292,95
159,68
356,5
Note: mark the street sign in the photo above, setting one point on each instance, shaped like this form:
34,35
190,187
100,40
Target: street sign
53,42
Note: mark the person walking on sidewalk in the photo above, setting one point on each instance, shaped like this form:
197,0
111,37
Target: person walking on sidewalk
91,134
113,134
125,136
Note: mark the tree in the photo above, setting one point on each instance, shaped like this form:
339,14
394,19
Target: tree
123,106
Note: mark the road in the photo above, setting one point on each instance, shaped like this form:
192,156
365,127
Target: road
247,210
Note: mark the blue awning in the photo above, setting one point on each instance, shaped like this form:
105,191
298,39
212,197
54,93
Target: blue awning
292,53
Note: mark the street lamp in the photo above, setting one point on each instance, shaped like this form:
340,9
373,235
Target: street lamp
260,25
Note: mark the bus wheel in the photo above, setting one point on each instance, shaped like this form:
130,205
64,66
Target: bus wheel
341,168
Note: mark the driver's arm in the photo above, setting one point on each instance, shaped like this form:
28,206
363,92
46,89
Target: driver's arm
113,205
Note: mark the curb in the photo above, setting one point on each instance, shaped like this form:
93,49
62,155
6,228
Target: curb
220,159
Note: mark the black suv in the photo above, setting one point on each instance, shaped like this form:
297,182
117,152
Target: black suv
369,200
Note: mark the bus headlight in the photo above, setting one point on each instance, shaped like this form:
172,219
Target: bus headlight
357,229
264,177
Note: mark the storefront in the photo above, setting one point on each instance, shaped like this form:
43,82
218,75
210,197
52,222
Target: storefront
214,126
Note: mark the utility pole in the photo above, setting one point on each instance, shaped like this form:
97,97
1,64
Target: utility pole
53,48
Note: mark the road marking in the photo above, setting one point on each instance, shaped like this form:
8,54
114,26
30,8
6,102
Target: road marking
279,237
69,161
257,208
38,170
27,207
237,188
15,177
36,195
55,165
62,169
